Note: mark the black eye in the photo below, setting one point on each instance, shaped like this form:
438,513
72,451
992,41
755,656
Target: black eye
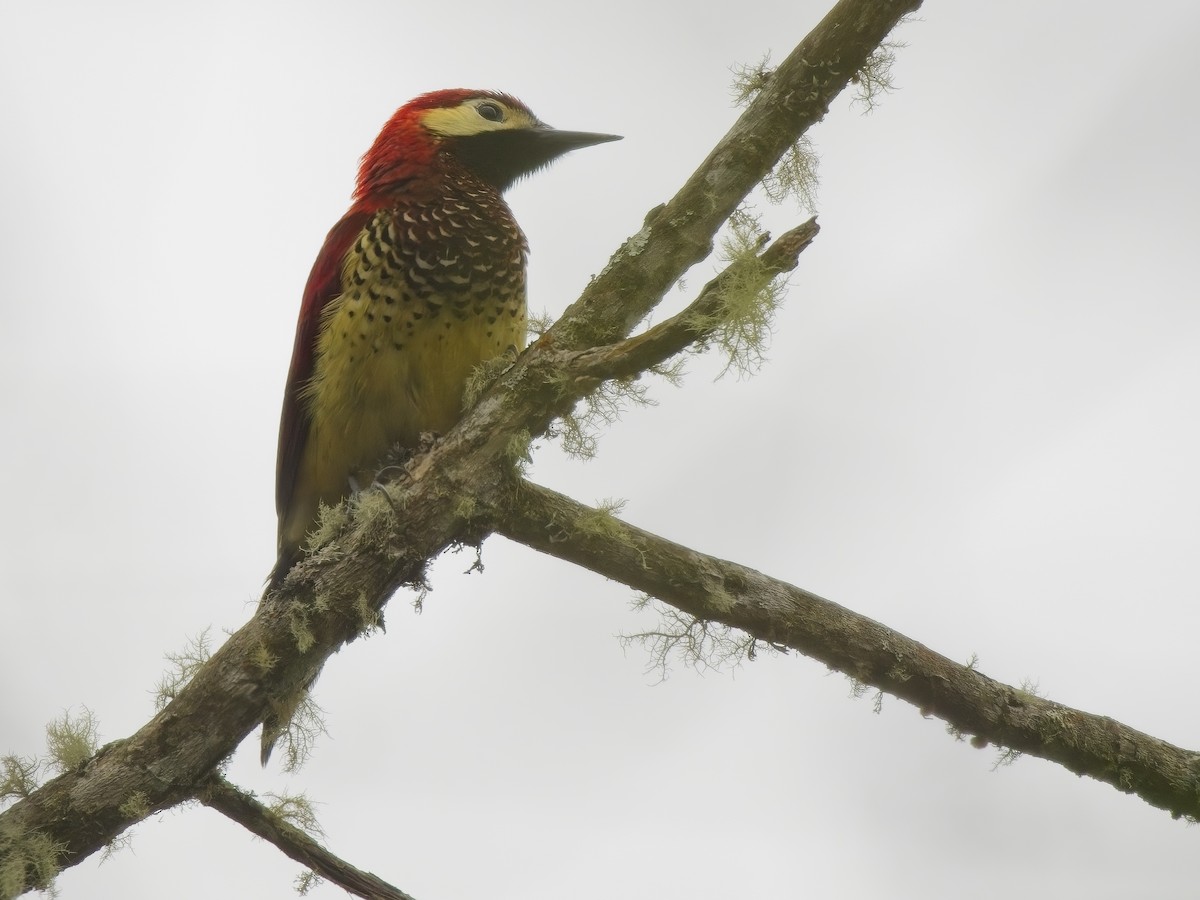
491,112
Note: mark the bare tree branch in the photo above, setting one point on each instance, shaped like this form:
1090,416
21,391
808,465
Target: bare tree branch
244,809
714,589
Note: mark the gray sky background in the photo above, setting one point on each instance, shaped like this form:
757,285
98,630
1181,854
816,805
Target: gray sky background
977,425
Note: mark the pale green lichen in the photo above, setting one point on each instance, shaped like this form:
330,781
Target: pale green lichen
331,522
298,624
637,243
263,659
305,723
27,858
72,740
537,324
375,514
115,846
369,618
579,429
633,246
465,507
306,881
671,371
136,806
601,521
519,451
875,78
296,810
795,176
184,665
749,79
19,776
484,376
1030,687
741,324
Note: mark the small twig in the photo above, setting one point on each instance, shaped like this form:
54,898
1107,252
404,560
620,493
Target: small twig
244,809
655,345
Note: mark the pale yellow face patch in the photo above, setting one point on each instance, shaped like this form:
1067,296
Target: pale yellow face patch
479,115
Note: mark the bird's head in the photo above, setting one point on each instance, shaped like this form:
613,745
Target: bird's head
494,135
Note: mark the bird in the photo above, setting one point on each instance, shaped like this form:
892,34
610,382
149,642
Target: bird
420,282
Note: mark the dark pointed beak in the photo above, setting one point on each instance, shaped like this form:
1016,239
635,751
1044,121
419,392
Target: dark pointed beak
502,157
564,141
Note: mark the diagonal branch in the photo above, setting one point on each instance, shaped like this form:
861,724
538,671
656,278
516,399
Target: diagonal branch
244,809
716,590
679,234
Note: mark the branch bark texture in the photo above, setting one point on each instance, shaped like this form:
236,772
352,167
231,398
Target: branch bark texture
781,614
244,809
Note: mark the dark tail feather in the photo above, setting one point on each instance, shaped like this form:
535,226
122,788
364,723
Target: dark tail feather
288,557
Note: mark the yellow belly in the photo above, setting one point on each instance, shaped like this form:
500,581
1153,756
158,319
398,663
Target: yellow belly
378,384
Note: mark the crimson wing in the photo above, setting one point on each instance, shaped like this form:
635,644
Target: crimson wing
324,285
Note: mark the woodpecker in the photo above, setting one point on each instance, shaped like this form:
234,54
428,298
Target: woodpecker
422,280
